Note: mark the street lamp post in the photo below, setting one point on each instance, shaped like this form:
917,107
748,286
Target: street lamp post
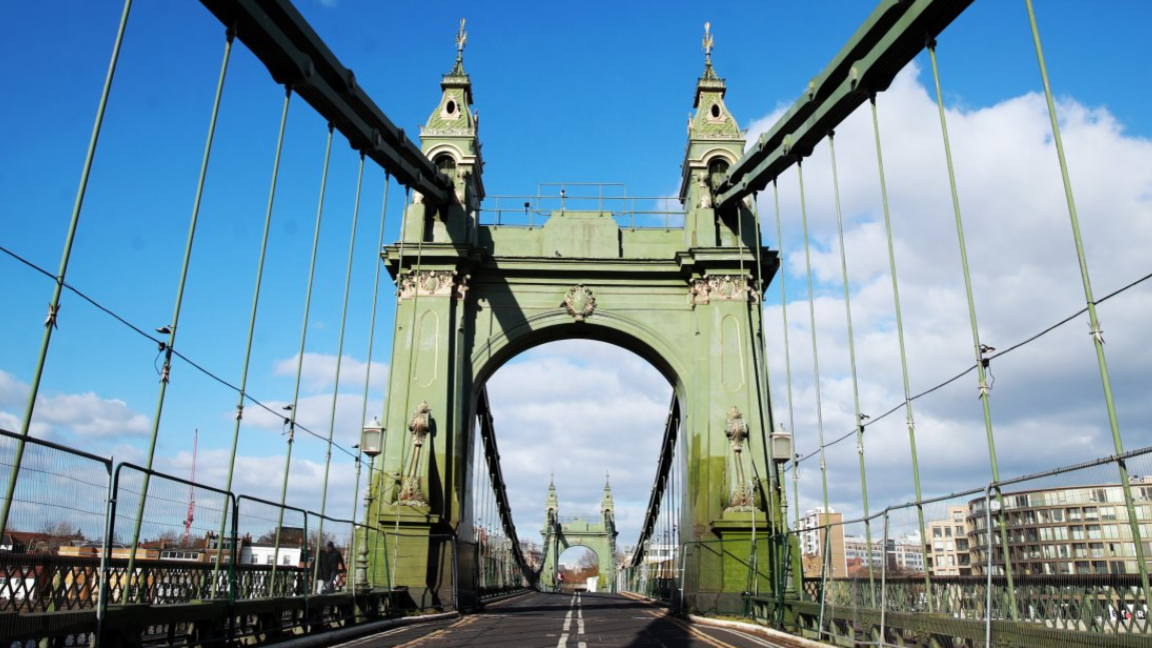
371,444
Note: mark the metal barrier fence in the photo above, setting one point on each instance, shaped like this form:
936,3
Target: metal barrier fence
629,212
1071,574
50,553
116,555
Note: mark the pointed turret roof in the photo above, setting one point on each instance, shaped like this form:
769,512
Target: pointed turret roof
709,81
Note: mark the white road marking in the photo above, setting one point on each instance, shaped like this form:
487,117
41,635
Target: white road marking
580,622
563,641
743,635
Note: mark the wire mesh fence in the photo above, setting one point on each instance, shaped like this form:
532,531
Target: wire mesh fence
50,549
166,543
276,550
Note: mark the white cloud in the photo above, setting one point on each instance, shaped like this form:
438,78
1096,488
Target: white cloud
87,414
1046,404
581,409
318,372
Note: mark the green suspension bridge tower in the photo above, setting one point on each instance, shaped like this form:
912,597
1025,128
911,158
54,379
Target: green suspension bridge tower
473,295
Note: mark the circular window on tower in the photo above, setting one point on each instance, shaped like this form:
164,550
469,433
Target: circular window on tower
714,112
451,109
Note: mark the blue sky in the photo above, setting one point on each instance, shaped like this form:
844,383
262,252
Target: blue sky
595,94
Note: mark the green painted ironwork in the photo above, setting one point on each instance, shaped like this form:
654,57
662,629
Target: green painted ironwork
368,373
815,352
66,255
787,353
300,356
852,364
339,362
977,346
909,417
243,391
173,328
1093,320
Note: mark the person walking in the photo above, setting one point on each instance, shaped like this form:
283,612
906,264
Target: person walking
331,566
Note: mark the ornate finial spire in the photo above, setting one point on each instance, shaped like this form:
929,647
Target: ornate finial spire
709,73
461,41
708,43
552,481
607,480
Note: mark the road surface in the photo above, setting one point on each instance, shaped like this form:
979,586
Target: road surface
552,620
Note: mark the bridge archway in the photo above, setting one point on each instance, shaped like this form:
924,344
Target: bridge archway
474,293
580,564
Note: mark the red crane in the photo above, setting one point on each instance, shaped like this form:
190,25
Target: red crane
191,490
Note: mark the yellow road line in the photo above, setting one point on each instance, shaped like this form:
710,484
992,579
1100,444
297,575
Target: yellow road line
419,640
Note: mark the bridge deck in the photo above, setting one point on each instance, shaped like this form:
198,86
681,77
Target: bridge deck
548,620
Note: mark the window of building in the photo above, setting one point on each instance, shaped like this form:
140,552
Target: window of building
937,532
287,560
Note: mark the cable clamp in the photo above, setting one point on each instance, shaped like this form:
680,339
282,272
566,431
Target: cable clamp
860,448
823,467
239,412
983,389
166,373
53,311
1096,332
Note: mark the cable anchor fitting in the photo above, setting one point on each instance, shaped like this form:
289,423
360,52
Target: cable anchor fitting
239,412
53,311
1096,332
165,374
983,389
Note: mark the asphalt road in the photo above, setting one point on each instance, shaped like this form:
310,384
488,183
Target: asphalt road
563,621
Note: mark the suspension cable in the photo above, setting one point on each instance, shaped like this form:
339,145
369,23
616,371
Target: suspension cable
339,361
378,263
852,363
172,328
255,305
1093,320
910,418
300,355
66,255
977,347
787,352
815,356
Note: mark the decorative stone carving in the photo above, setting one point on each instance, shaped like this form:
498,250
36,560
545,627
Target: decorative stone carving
427,283
410,493
737,432
580,302
417,198
704,191
719,288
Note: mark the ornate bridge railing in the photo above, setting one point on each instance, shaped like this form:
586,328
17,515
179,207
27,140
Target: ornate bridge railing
66,576
1073,579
